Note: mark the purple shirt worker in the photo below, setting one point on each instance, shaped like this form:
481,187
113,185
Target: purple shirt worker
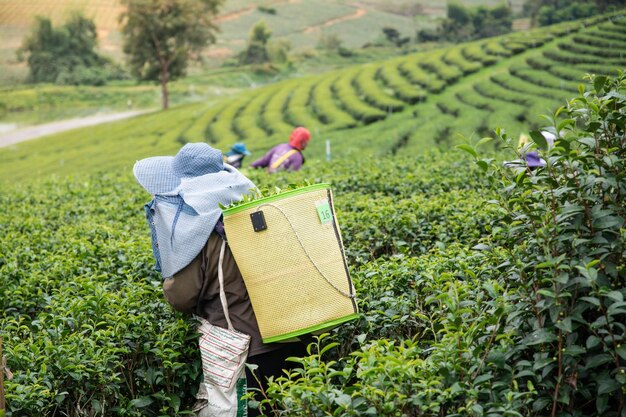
286,156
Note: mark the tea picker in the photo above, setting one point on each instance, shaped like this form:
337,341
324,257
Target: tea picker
202,270
286,156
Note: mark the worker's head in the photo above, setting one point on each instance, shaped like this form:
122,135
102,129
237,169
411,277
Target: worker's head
240,148
161,174
299,138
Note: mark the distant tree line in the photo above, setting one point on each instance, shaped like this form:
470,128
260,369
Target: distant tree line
160,37
469,23
549,12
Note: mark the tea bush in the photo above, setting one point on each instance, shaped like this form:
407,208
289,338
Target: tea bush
483,291
530,324
563,232
84,324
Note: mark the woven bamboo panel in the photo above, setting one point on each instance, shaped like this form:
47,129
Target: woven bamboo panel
295,269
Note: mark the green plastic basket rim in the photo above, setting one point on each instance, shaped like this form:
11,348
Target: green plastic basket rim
321,326
280,196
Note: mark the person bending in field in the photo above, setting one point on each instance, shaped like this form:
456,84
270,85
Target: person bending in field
236,154
286,156
189,244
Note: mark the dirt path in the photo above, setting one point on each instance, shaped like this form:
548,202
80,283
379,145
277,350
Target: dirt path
356,15
32,132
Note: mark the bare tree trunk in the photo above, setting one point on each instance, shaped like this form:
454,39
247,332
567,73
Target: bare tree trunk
164,94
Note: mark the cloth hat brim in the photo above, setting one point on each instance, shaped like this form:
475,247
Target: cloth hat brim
156,174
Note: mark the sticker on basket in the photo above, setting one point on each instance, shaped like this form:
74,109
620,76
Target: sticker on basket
323,211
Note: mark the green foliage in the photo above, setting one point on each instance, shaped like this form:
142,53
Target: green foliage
483,291
465,24
160,37
256,51
544,13
265,9
393,36
66,55
563,233
84,324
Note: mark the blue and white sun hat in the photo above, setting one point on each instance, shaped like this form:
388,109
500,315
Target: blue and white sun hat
161,174
187,191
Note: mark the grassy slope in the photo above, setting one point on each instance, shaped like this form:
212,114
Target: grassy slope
236,19
424,125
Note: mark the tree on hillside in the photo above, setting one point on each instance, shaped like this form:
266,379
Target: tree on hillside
394,37
492,22
162,36
65,54
548,12
256,51
465,24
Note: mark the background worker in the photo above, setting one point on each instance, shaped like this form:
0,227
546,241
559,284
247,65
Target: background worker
236,154
286,156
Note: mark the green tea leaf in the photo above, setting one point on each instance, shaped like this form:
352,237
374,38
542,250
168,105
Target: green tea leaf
141,402
539,140
468,148
599,83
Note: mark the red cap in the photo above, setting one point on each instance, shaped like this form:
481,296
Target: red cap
299,138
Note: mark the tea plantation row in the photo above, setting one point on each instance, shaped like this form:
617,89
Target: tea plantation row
484,291
407,104
84,323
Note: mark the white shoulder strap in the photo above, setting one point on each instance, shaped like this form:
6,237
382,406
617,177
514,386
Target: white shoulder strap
220,277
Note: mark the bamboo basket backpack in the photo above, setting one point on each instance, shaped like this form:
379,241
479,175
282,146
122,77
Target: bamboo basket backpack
289,250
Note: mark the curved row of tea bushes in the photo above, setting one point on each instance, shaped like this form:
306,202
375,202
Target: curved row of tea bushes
474,52
246,120
221,128
299,112
274,114
599,41
372,92
542,78
495,47
597,33
402,88
566,58
349,99
325,107
492,110
455,57
433,63
494,91
508,82
417,75
610,53
198,130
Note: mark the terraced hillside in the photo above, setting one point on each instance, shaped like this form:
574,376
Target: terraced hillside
409,103
302,23
467,88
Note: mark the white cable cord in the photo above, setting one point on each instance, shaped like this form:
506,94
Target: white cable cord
305,252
